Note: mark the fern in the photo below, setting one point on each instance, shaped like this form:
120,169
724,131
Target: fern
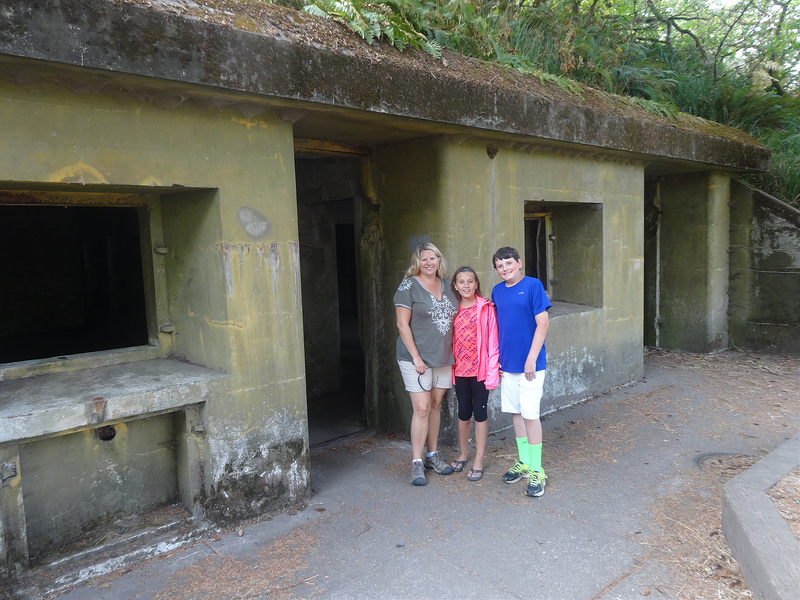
662,109
381,21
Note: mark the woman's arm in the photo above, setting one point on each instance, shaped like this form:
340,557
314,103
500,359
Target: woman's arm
404,327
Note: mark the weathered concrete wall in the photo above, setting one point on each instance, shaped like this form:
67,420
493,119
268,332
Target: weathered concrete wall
764,272
68,477
602,200
469,202
231,273
693,269
314,67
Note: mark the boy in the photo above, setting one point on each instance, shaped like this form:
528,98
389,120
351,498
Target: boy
522,323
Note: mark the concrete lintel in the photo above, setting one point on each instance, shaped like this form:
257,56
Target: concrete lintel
759,537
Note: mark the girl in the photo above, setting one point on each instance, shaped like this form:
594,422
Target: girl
476,369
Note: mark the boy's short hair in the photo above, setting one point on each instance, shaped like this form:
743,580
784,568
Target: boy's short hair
504,253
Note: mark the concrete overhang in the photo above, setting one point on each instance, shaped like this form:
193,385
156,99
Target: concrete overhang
333,86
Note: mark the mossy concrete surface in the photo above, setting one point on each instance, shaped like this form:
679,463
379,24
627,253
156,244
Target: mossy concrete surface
765,271
470,201
693,268
312,66
219,234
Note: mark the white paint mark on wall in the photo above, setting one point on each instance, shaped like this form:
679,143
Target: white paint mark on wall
241,248
254,223
295,249
226,268
260,250
274,260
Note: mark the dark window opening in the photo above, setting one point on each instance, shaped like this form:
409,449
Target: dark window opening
536,248
73,281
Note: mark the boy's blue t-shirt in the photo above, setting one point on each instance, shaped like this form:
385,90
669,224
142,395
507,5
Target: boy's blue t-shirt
517,307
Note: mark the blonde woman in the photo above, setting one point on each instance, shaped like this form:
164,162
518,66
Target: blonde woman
425,306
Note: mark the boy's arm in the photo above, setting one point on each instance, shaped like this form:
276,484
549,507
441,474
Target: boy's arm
542,324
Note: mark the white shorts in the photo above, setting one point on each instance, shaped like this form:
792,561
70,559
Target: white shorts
520,396
440,377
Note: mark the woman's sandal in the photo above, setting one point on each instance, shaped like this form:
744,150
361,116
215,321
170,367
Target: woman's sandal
475,474
458,465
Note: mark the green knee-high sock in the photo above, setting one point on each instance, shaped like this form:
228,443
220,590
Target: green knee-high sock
523,449
536,457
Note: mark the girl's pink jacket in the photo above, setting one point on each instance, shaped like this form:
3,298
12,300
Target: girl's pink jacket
488,348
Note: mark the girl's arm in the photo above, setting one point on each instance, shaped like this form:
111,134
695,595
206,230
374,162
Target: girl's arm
404,327
493,348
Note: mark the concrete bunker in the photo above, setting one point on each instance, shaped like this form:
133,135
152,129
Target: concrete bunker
278,200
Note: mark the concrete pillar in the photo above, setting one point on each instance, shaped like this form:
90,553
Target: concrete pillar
190,433
13,534
693,272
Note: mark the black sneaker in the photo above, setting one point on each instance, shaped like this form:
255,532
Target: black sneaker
417,473
517,472
536,483
436,463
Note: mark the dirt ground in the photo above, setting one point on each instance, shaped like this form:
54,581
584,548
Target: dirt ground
767,387
690,542
753,396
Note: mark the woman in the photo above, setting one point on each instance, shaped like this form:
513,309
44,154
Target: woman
425,306
476,369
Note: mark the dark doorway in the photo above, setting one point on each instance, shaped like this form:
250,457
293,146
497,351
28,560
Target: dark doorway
327,190
73,281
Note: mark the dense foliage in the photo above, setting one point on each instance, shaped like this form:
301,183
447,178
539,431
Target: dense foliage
737,64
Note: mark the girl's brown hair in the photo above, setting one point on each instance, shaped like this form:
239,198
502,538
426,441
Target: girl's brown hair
465,269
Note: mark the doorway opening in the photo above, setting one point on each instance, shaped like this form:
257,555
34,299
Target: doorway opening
327,197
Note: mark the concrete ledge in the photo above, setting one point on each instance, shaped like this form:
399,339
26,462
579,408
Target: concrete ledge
60,402
759,537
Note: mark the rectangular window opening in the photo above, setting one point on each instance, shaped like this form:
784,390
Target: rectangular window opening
74,280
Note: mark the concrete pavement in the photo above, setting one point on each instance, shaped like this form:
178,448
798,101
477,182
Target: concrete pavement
631,507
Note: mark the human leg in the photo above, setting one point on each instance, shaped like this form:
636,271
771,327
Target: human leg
434,419
421,404
530,400
537,477
480,402
481,434
463,444
464,396
433,460
533,431
509,400
531,424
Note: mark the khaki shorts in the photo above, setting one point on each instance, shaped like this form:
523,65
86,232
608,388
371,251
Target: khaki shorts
440,377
